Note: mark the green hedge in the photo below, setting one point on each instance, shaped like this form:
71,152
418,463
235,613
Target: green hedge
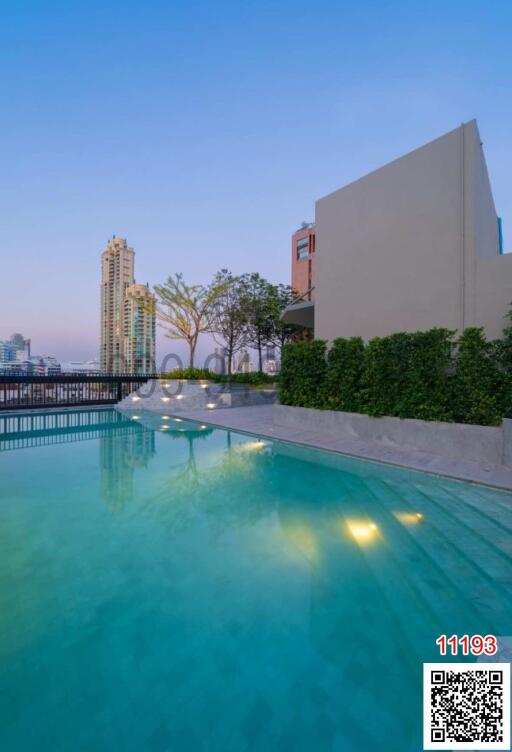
188,373
345,368
426,375
408,375
253,378
303,374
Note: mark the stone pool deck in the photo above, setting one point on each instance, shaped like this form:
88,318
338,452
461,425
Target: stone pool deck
260,421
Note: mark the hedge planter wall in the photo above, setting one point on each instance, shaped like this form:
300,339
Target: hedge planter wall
424,375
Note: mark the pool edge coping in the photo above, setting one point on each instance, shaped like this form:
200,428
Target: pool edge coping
345,453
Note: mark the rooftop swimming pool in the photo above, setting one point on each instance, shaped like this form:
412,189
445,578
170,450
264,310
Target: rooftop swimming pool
170,587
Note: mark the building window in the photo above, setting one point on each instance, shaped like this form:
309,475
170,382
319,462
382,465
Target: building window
302,248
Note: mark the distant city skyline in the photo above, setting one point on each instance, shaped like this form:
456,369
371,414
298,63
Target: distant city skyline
205,164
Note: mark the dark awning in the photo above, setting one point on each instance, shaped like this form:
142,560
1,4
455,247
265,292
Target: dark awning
302,314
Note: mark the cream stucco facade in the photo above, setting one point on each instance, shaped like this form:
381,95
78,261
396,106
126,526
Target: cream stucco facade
412,246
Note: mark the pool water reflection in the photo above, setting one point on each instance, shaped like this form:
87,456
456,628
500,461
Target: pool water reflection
170,586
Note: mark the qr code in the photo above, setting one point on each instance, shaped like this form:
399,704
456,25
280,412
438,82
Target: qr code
466,706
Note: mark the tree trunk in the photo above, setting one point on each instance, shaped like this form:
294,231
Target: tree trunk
229,348
192,346
260,359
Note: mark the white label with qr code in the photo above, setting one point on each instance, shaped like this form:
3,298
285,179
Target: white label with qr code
466,706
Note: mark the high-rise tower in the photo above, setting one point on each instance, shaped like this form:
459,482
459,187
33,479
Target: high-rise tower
120,323
139,329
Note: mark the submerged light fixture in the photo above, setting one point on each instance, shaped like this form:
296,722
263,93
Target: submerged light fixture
408,518
258,444
363,531
302,538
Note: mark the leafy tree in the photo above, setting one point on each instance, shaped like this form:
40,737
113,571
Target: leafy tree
230,318
260,301
186,311
282,332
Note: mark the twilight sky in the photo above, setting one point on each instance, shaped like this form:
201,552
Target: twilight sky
204,131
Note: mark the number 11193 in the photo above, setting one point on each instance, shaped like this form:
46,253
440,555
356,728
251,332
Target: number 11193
467,645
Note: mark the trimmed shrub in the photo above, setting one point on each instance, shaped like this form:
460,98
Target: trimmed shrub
478,384
407,375
384,374
345,368
423,375
502,354
188,373
253,378
303,372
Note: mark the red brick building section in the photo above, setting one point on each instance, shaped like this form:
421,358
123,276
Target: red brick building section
304,261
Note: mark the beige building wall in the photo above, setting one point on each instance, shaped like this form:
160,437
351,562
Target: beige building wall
413,245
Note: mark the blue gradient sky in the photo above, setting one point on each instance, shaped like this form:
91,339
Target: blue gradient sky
204,131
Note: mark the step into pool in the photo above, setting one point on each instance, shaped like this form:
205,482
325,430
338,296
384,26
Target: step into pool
166,586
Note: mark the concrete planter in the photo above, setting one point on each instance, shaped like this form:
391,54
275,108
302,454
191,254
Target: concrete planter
507,442
174,396
482,444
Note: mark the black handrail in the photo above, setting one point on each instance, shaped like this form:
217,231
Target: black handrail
24,392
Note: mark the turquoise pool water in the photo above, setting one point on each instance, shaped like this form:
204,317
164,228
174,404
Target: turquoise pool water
168,587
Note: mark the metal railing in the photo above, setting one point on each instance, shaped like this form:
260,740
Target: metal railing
67,390
30,429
